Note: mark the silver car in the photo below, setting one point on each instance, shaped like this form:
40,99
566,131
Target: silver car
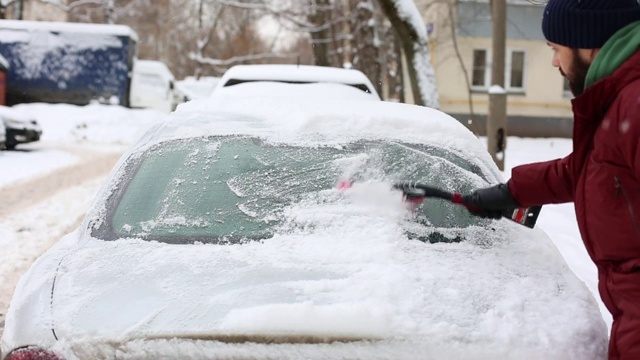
227,233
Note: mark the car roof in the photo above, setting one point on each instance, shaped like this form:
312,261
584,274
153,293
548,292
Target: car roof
154,67
325,122
316,90
295,74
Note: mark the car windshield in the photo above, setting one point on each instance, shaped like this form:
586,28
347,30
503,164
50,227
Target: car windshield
230,189
232,82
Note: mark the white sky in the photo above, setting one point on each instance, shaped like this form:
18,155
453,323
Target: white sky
112,127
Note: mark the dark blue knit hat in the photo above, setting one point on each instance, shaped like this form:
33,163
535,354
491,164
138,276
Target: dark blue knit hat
587,24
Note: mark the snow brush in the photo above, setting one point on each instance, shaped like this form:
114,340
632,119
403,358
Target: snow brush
415,193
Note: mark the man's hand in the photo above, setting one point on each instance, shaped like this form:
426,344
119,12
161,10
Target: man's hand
491,202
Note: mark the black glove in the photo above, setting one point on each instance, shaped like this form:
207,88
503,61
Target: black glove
493,202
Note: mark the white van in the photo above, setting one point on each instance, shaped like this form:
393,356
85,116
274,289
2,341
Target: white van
153,86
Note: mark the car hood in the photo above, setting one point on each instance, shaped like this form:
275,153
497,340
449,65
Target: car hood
136,289
8,113
355,277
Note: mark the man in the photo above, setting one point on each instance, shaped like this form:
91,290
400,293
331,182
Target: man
595,46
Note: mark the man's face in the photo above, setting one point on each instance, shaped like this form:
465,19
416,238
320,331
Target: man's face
573,64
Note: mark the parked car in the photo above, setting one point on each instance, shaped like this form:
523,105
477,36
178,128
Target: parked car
21,127
224,234
191,88
301,81
153,86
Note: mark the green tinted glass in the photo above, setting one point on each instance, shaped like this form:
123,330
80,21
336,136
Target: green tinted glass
234,188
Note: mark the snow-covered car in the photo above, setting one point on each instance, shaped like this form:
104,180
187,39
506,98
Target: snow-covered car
21,127
299,81
226,232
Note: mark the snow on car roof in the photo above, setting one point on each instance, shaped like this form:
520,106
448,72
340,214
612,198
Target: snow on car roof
153,66
15,114
285,90
289,72
296,73
107,29
308,122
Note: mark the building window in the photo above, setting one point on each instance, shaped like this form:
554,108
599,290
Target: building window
515,71
480,76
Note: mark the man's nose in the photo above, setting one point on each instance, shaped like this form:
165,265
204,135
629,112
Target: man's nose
555,62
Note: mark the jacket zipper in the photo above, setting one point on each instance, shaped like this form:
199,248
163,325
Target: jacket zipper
632,213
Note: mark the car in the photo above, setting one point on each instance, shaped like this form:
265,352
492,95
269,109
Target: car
153,86
21,127
228,231
300,81
191,88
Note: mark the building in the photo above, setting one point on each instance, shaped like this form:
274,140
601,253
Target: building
36,10
538,100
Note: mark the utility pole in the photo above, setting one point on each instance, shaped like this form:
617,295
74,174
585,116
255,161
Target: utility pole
497,116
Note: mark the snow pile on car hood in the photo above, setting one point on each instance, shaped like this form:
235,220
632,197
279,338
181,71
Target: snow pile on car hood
346,271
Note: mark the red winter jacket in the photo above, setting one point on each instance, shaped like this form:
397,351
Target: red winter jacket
602,178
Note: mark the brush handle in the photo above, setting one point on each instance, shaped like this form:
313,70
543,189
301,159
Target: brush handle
523,216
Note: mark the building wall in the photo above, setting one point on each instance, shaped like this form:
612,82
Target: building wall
35,10
543,98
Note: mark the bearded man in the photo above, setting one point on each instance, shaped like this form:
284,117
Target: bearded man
595,46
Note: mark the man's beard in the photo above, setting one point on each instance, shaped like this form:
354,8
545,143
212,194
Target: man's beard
579,69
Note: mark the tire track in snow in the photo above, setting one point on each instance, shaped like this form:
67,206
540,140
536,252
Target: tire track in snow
14,198
34,215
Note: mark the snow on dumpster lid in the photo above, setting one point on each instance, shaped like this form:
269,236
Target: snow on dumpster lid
119,30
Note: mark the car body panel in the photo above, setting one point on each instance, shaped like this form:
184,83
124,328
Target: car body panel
153,86
21,128
345,267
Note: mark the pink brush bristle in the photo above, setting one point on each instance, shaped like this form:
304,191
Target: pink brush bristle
344,184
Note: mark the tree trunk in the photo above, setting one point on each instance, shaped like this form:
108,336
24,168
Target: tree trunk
417,54
18,10
320,39
364,40
400,80
109,10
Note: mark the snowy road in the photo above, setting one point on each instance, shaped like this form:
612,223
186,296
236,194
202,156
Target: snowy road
37,212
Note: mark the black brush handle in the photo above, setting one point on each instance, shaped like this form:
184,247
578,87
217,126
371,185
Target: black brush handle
523,216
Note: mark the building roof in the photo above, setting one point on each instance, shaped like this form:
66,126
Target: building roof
109,29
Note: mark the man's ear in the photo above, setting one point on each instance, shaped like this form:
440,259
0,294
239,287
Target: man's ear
588,55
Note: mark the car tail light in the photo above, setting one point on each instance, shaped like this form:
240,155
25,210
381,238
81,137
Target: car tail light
32,353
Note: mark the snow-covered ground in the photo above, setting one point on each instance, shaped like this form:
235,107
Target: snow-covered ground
73,137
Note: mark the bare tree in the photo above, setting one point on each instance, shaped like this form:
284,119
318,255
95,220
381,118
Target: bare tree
110,11
5,4
320,17
416,49
205,37
365,41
